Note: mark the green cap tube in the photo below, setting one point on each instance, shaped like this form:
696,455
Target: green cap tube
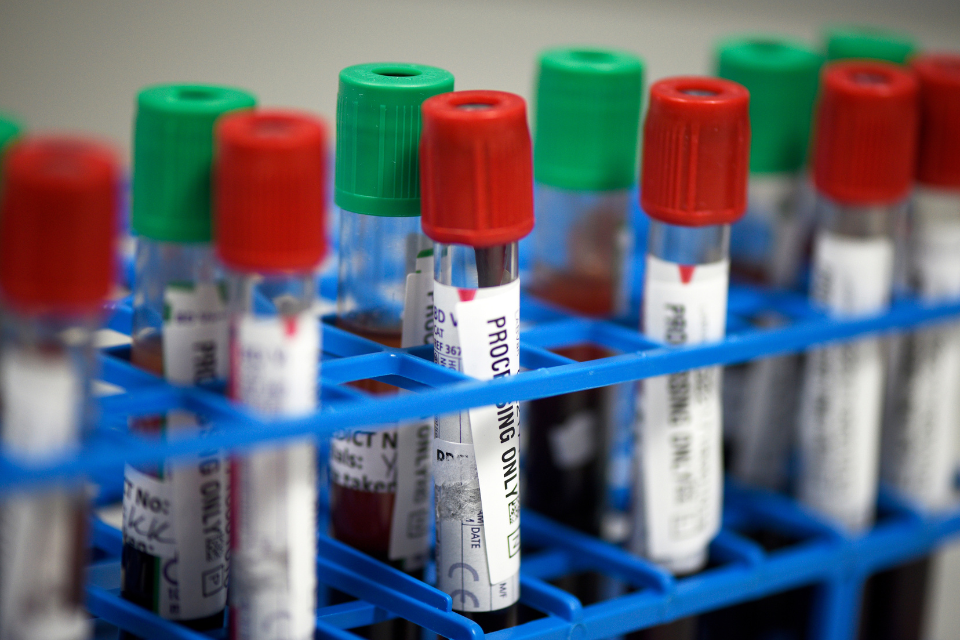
172,157
859,41
587,118
782,77
10,128
378,136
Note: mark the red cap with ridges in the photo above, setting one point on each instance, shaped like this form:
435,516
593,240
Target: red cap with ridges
58,225
938,161
270,191
866,132
696,152
476,168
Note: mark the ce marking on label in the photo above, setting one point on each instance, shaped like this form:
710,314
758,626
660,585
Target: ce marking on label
463,593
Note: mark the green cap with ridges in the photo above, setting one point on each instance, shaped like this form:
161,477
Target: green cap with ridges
587,118
10,128
860,41
782,77
172,158
378,136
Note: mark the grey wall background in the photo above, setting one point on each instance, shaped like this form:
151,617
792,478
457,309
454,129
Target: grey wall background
76,65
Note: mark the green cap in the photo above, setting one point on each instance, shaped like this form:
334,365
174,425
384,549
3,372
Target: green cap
853,41
782,77
172,158
10,128
378,136
588,118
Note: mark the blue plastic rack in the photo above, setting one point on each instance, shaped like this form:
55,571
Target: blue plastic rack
740,570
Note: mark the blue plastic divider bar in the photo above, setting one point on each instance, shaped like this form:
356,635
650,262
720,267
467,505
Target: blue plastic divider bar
436,389
822,556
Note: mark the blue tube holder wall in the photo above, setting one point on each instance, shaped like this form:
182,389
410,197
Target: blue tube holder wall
819,555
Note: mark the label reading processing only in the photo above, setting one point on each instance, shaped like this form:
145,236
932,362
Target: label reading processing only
679,435
840,405
477,332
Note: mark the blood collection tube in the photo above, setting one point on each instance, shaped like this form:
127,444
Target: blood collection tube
180,331
585,158
10,130
477,186
863,161
269,212
920,416
768,244
379,502
843,42
58,223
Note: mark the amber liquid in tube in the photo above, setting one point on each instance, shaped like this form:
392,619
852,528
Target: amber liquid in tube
362,519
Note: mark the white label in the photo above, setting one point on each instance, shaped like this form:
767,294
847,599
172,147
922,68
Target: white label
418,303
839,428
192,580
276,363
477,332
273,593
273,577
851,276
935,245
679,435
39,578
917,455
42,397
195,333
462,567
410,525
148,514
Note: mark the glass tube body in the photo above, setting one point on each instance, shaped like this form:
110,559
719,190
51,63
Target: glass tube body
469,268
377,255
840,406
695,311
274,491
179,313
581,247
920,408
767,247
45,373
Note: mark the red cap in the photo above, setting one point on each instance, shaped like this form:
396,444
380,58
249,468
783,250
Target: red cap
696,152
58,225
866,132
270,193
938,162
476,169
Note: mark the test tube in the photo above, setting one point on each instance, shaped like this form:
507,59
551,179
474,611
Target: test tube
379,497
180,332
852,41
58,221
863,161
477,204
10,130
767,246
693,187
585,158
270,209
920,413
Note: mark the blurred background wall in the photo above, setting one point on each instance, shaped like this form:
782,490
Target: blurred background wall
76,65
